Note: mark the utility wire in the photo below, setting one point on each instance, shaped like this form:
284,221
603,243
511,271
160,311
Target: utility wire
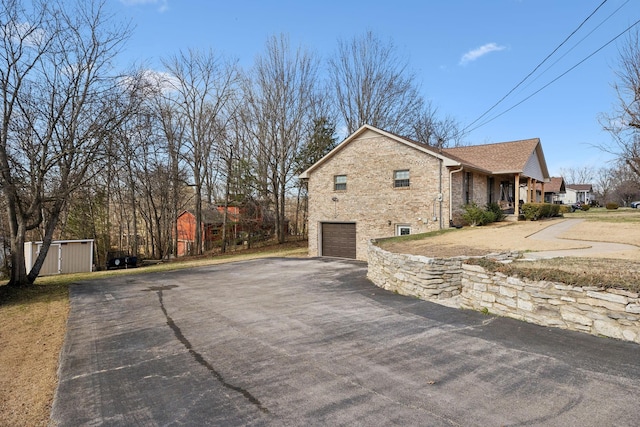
557,78
575,45
534,70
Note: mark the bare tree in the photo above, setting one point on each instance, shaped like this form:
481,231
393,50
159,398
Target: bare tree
578,175
203,85
604,183
373,85
280,96
59,105
172,128
623,124
438,132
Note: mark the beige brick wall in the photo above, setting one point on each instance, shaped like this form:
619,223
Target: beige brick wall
479,192
371,201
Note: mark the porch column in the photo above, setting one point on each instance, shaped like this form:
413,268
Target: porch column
542,192
516,204
534,196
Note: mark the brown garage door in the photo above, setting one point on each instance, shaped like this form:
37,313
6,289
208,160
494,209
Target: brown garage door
339,240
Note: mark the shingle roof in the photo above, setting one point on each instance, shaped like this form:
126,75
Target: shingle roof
580,187
208,216
556,185
499,157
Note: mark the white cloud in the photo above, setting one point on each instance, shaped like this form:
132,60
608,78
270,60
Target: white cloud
163,5
23,33
474,54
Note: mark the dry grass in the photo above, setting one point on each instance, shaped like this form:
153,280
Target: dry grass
599,272
32,328
619,269
33,323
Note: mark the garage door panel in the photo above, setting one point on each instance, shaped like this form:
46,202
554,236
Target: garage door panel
339,240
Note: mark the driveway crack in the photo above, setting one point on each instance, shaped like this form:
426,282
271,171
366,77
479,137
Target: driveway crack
202,361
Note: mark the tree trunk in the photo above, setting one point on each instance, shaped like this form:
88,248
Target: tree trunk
50,228
199,235
18,267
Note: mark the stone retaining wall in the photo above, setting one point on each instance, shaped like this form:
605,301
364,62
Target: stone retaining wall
599,311
610,312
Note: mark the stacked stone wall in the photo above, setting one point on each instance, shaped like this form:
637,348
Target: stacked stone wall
608,312
596,310
423,277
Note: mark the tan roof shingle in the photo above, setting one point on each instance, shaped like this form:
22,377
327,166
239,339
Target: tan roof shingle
497,158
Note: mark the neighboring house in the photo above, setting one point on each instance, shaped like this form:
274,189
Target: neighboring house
554,190
582,193
376,184
240,223
211,228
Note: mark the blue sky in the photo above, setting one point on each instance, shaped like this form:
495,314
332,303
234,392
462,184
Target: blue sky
467,54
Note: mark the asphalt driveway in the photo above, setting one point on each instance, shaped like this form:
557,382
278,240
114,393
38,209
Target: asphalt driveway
313,342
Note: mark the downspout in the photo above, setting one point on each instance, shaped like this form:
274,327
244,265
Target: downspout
451,193
440,192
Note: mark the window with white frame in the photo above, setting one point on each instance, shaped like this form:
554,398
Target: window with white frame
340,182
401,178
403,230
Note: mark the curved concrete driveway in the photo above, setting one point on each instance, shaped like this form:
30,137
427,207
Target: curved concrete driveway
553,231
298,342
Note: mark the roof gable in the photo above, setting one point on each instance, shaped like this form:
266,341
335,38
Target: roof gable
555,185
368,131
523,156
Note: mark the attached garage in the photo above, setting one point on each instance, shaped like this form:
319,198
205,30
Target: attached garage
338,239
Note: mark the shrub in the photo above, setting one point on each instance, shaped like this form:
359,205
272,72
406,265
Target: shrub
564,209
475,215
535,211
612,206
585,207
497,211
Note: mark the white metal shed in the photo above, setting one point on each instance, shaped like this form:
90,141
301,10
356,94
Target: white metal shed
64,256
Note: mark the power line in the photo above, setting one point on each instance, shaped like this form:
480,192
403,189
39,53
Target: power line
578,43
555,79
534,70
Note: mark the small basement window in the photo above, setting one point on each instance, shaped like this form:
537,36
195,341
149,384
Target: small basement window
403,230
340,182
401,178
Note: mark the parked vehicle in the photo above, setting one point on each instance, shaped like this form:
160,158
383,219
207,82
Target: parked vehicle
635,205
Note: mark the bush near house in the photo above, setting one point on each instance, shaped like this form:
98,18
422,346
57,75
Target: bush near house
475,215
535,211
564,209
612,206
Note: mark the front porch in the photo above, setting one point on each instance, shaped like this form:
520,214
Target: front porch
516,187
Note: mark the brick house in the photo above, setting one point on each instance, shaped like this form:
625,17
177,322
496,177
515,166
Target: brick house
377,184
